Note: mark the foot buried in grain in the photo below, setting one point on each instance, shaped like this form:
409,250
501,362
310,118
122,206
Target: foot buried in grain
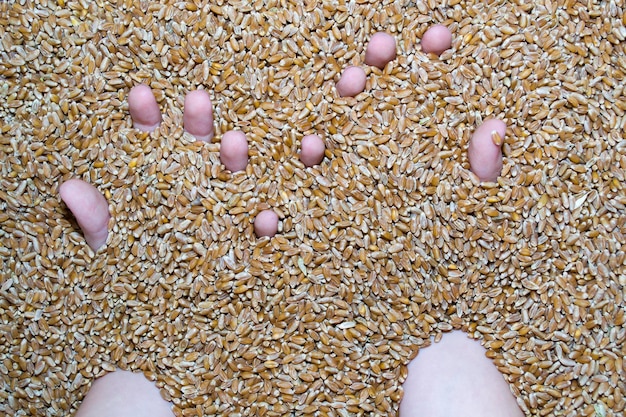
455,378
124,394
90,209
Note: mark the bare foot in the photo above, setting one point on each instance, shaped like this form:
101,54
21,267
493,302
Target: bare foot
124,394
485,150
90,209
198,115
455,378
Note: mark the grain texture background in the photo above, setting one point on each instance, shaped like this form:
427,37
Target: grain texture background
387,243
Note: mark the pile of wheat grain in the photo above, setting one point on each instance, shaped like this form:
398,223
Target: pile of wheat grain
387,243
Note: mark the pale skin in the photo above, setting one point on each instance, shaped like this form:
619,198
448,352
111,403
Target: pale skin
86,203
352,82
485,150
90,209
451,378
124,394
381,50
436,40
455,378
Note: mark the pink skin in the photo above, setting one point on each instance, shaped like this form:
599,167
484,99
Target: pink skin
381,50
266,223
450,378
234,150
124,394
312,152
143,108
436,40
485,157
90,209
198,115
352,82
86,203
455,378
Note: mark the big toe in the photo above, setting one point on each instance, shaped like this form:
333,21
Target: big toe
143,108
90,209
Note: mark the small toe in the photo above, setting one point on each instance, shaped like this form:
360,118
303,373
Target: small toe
484,151
143,108
198,115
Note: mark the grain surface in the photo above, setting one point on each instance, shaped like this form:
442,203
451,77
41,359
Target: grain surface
390,241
